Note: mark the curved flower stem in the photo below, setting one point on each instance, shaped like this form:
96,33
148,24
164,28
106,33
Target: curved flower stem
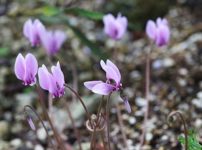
74,126
147,93
121,126
57,137
179,114
80,99
97,122
107,112
41,121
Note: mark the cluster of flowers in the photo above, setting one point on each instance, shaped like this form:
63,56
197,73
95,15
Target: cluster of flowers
37,34
26,68
158,31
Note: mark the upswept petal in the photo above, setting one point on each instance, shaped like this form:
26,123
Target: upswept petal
58,74
60,37
111,74
40,28
46,37
159,21
122,20
103,65
27,28
121,25
19,67
151,29
163,35
44,78
90,84
112,65
108,22
53,85
103,88
111,71
31,65
119,32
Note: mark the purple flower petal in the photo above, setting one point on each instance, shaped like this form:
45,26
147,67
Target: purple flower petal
151,29
118,75
58,74
111,72
31,65
103,88
19,67
44,77
122,20
52,41
90,84
108,23
27,28
163,35
121,25
60,36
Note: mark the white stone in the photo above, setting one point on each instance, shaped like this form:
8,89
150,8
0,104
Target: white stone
41,134
38,147
148,136
16,143
132,120
141,102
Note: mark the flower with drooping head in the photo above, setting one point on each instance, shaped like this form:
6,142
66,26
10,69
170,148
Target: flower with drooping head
53,40
113,82
26,68
32,30
52,82
115,27
159,32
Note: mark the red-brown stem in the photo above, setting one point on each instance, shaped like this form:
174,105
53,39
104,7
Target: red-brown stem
121,126
56,135
74,126
147,93
41,121
97,122
107,112
179,114
80,99
75,80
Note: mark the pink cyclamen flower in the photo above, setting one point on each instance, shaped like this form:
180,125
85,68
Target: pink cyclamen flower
53,40
113,82
115,27
54,81
32,30
26,68
159,32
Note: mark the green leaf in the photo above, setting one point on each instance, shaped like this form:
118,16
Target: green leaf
48,11
4,51
84,13
193,143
